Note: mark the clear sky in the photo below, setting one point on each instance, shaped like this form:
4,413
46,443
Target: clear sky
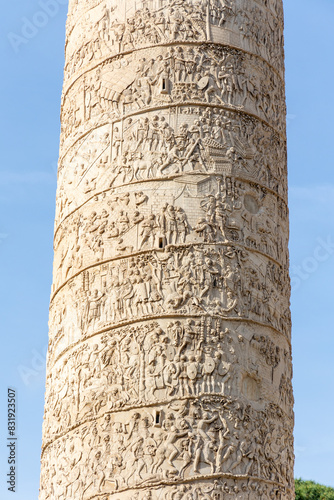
31,84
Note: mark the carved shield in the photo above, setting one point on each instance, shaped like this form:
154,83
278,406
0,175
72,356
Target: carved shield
209,365
223,368
203,83
192,371
170,353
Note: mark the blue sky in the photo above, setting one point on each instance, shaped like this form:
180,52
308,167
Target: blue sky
30,89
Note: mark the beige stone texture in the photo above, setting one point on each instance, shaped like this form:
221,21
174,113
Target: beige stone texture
169,363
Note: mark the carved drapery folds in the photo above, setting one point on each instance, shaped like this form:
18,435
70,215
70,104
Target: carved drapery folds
169,365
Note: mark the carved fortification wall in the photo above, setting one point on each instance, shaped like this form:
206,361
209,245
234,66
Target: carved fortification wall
169,364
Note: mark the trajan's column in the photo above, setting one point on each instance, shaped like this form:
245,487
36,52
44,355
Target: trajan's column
169,365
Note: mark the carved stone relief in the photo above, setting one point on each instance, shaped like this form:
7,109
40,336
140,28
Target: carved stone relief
162,360
223,211
206,74
203,141
210,438
109,28
227,282
169,364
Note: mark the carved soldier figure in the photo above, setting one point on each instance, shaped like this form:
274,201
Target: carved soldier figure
148,227
93,308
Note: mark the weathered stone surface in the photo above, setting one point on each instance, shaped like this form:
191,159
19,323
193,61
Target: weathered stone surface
169,364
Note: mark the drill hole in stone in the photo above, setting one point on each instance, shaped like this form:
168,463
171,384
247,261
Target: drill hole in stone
157,418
